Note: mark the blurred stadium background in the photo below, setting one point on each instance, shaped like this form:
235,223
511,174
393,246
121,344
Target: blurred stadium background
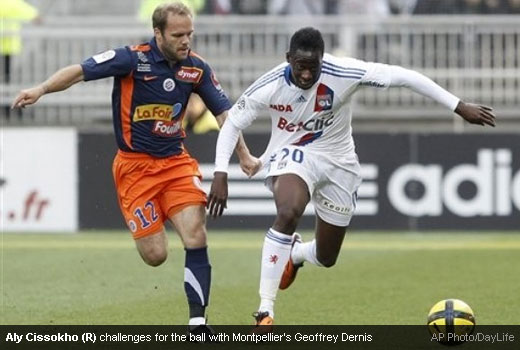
423,168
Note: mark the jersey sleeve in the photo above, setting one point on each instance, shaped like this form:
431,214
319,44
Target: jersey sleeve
211,92
118,62
250,105
377,75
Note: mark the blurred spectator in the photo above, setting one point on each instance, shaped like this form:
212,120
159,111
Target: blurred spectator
402,6
296,7
437,7
13,13
496,7
219,7
249,7
373,8
514,7
198,118
147,7
472,7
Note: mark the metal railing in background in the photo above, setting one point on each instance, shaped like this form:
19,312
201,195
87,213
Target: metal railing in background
475,57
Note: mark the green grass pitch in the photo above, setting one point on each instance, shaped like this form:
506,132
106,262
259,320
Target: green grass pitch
380,278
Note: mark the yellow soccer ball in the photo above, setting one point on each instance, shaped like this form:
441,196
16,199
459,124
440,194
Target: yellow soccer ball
451,321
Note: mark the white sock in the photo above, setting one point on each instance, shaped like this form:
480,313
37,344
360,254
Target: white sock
275,254
195,321
305,252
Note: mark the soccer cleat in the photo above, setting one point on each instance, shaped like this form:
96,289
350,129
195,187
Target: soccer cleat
263,323
291,269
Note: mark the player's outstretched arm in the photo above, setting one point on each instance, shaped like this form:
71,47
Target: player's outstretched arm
472,113
61,80
476,114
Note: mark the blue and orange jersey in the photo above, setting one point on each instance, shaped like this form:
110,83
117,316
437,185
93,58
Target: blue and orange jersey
150,95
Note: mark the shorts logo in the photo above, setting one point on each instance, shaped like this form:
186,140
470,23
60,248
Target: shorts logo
168,84
166,129
132,225
273,259
335,208
189,74
324,98
154,112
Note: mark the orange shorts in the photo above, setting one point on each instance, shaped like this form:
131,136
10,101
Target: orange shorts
150,190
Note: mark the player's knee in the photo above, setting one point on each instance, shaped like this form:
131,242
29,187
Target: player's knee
196,239
154,257
328,261
289,216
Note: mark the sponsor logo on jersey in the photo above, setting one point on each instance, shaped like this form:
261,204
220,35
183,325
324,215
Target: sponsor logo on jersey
153,112
315,124
324,98
281,108
189,74
167,129
168,84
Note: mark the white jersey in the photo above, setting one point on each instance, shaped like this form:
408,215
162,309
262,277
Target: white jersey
318,118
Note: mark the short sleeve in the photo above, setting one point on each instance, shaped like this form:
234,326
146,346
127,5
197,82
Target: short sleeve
110,63
211,92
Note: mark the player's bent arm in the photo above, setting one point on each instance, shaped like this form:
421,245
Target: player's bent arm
472,113
226,142
59,81
249,164
423,85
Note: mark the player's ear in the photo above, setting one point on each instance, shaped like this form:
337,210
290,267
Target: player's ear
288,56
157,33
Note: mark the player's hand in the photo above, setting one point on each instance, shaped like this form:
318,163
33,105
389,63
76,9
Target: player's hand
250,165
217,198
476,114
28,97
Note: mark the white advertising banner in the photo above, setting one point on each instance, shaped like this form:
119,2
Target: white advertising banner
38,180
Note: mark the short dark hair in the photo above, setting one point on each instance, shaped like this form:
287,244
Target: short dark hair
160,14
307,39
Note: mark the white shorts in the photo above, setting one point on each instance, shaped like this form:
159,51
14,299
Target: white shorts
332,183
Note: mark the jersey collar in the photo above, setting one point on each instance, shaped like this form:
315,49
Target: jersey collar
156,53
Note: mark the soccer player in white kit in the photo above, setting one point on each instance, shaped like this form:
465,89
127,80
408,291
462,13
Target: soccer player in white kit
311,154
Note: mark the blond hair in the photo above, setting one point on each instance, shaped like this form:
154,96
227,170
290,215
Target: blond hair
160,14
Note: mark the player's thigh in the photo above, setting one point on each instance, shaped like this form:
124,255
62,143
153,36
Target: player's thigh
335,197
290,191
190,224
137,195
153,248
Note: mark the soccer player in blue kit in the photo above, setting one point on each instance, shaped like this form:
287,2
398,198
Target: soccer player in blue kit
156,178
311,154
